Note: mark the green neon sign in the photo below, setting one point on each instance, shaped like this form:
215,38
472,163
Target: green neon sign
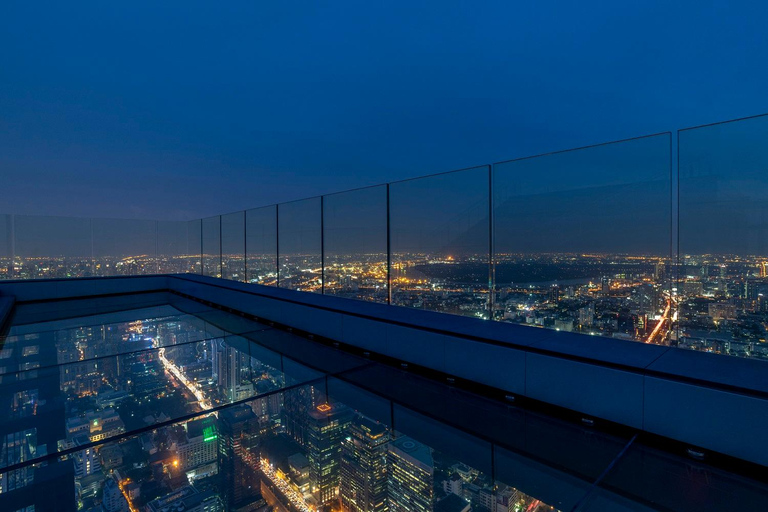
209,434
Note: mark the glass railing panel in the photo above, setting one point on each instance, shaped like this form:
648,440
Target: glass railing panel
434,466
205,461
172,254
211,246
723,238
233,246
195,245
6,247
43,345
582,240
439,234
299,245
36,313
646,479
52,247
124,247
537,458
355,244
261,245
109,396
307,352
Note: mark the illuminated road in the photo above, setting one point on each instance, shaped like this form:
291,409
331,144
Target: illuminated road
533,506
658,327
296,499
191,386
131,507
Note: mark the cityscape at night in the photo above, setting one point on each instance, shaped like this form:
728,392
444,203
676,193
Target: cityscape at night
253,437
710,303
384,257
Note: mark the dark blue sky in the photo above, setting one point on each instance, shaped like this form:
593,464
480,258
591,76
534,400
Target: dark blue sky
192,109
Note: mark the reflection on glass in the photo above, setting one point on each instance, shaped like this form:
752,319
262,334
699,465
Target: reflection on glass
582,240
211,246
299,239
233,246
225,423
52,247
723,237
6,247
439,232
172,251
355,238
124,247
261,245
649,476
29,346
195,245
37,247
161,374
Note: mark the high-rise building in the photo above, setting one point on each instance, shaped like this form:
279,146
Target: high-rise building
297,403
554,294
113,499
86,460
587,315
226,367
326,429
200,446
19,447
410,476
238,456
363,469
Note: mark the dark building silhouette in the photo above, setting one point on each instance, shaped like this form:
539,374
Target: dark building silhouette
363,486
238,456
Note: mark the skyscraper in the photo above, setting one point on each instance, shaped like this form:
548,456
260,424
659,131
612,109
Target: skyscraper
410,476
226,367
297,403
326,429
363,469
238,456
200,446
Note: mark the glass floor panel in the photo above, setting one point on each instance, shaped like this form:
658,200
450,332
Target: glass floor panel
169,405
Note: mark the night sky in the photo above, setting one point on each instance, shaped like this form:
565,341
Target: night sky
189,109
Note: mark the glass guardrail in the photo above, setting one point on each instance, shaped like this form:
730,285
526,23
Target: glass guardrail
641,239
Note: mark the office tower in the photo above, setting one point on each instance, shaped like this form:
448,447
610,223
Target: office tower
554,294
326,429
410,476
297,403
226,367
606,286
238,456
87,460
201,443
363,469
19,447
587,315
113,499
